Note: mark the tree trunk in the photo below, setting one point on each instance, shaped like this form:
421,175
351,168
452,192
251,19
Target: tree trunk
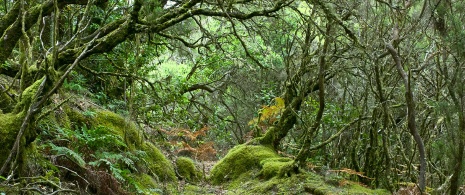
410,113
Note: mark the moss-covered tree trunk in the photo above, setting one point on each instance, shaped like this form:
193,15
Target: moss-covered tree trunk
297,89
16,129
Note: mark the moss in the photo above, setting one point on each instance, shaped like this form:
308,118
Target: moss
75,117
268,138
6,103
157,163
146,180
239,160
27,96
119,126
186,168
145,184
259,170
195,189
277,167
34,163
302,183
9,127
354,188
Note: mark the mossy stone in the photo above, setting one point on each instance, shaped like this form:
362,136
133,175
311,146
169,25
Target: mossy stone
157,163
120,126
186,168
145,184
239,160
280,167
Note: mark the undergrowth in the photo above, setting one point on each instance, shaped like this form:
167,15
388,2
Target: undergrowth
97,149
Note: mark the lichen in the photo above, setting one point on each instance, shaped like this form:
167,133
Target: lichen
186,168
157,163
239,160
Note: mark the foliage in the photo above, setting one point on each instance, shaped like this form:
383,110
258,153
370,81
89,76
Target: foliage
200,77
190,143
100,148
267,116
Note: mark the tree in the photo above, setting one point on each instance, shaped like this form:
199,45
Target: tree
49,51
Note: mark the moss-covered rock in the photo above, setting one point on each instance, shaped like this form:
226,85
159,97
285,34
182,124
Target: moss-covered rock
145,184
120,126
75,117
157,163
186,169
280,167
239,160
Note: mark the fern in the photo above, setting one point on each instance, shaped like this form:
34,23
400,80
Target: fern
129,163
102,147
114,169
74,156
101,138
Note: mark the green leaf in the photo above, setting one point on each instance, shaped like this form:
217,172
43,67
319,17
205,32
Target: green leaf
74,156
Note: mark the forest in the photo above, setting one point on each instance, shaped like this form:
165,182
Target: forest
232,97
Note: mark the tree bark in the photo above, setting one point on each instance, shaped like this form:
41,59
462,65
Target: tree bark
410,114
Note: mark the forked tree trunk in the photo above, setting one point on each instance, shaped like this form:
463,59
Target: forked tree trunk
410,114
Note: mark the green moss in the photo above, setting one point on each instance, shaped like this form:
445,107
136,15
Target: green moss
276,167
9,127
268,138
34,163
120,126
195,189
354,188
186,168
146,180
145,184
62,119
6,103
157,163
75,117
259,170
239,160
27,96
302,183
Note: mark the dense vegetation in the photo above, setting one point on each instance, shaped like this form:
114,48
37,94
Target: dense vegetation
288,96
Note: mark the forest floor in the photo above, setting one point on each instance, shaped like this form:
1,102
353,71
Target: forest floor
203,186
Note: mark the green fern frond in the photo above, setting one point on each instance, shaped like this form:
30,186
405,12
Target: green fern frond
129,163
74,156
